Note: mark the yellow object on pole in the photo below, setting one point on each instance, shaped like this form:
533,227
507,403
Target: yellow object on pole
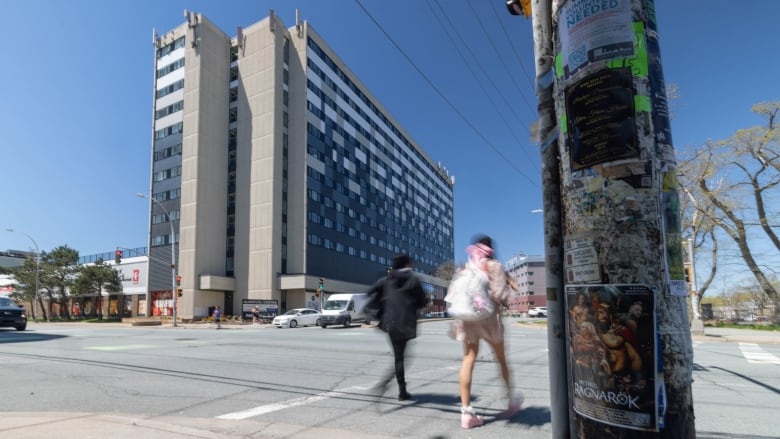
519,7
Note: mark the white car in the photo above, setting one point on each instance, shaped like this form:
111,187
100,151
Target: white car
539,311
298,317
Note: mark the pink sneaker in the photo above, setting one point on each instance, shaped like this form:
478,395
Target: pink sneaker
469,418
514,406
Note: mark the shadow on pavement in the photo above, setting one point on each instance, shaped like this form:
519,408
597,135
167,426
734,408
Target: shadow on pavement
747,378
14,336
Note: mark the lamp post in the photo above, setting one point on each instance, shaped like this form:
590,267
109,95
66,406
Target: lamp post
173,254
37,263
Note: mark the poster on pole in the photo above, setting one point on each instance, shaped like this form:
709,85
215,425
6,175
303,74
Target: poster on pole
593,31
600,115
612,341
673,241
582,261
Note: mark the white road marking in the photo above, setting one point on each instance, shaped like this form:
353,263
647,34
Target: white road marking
263,409
290,403
120,347
754,354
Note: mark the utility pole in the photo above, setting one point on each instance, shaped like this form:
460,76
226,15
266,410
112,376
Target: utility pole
618,329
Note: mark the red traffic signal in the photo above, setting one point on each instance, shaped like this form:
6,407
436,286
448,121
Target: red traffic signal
118,256
178,279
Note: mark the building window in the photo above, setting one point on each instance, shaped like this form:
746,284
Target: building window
168,195
169,131
170,109
163,218
168,152
179,63
165,91
159,240
167,173
168,48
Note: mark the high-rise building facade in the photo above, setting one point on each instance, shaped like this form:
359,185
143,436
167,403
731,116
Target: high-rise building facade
278,168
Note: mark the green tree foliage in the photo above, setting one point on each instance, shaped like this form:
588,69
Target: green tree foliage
58,270
93,279
25,283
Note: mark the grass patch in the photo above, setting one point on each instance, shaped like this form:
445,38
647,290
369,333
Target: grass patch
761,327
534,322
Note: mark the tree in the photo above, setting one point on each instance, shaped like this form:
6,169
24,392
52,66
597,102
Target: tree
446,270
696,224
59,268
737,179
25,283
93,279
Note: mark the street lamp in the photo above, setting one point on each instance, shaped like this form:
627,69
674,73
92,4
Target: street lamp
37,264
173,254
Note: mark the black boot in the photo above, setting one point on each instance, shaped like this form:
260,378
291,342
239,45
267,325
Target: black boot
403,395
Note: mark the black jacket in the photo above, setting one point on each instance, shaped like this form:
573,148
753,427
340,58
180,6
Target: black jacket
396,300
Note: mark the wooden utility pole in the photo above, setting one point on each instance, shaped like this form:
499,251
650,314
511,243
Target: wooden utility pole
618,328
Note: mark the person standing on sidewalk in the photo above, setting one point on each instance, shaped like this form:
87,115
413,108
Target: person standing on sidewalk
490,329
217,315
399,295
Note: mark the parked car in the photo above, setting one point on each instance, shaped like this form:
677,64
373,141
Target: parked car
538,311
11,315
298,317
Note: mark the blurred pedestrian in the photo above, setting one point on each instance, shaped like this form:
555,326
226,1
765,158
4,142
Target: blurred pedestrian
490,329
399,295
217,315
255,315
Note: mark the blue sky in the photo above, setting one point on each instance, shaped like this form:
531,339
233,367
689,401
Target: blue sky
76,106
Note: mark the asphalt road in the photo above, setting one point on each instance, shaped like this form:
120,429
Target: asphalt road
320,380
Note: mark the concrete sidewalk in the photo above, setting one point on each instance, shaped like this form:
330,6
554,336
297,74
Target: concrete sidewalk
24,425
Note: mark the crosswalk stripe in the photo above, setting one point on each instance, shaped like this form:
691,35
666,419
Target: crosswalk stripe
290,403
754,354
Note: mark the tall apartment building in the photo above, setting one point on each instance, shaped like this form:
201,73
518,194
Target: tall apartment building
278,167
529,272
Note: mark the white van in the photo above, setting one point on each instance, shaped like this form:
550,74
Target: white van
344,309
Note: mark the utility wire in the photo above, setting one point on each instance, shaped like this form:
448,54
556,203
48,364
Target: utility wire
439,92
509,39
500,58
484,72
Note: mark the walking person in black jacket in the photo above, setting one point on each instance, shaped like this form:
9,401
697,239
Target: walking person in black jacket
397,298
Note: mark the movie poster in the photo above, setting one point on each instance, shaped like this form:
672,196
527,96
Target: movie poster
613,354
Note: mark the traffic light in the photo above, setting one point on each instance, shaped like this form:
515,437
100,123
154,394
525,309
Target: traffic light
178,286
118,257
320,287
519,7
688,279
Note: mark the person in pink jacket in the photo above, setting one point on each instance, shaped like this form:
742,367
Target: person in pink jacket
491,330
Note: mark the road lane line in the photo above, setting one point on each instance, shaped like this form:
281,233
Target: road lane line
290,403
126,347
754,354
268,408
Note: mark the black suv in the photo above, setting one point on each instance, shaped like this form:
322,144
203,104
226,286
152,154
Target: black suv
11,315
